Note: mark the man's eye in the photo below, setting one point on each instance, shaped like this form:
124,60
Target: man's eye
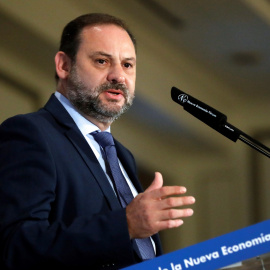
127,65
101,61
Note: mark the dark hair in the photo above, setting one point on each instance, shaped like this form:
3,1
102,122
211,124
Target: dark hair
70,39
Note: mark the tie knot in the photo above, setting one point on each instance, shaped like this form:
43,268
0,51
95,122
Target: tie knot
103,138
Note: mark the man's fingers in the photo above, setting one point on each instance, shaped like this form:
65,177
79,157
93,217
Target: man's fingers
167,191
171,202
158,208
169,224
172,218
174,214
157,182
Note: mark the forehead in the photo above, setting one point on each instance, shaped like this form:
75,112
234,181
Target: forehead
106,36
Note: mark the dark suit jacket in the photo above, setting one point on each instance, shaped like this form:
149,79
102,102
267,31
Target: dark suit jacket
56,205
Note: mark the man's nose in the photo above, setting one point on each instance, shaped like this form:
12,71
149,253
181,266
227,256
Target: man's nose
116,74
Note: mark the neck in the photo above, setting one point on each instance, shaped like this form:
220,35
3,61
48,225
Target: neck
101,125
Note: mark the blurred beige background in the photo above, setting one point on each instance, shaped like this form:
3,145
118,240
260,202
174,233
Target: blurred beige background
215,50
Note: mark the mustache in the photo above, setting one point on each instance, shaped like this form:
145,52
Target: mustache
116,86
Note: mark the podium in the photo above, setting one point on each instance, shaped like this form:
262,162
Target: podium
261,262
247,248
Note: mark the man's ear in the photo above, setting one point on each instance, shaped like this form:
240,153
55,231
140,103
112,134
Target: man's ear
62,65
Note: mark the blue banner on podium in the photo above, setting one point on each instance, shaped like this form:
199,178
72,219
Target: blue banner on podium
215,253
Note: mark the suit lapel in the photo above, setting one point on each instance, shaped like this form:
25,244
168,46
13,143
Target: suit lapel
80,144
91,161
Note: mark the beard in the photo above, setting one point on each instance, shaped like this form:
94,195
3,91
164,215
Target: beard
87,102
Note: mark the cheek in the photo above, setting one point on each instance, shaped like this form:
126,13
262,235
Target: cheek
92,80
131,84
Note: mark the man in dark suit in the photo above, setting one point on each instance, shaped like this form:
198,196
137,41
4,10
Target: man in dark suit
58,202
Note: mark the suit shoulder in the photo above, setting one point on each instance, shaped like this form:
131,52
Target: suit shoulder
25,118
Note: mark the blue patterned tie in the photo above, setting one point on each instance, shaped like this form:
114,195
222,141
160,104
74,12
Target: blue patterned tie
105,140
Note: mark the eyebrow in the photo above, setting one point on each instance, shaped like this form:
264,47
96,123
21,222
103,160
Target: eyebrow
101,53
110,56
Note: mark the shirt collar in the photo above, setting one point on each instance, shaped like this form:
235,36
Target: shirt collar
83,124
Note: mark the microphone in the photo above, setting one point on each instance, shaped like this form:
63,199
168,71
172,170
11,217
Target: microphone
216,120
205,113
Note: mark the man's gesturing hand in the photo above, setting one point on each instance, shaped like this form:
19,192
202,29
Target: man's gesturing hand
157,209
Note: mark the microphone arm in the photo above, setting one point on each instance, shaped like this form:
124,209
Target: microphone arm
215,120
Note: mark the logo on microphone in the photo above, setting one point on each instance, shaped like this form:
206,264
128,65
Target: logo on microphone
183,98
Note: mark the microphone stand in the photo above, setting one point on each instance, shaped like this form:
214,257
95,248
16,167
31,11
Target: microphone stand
255,144
234,134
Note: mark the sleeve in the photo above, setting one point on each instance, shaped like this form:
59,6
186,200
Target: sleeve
28,240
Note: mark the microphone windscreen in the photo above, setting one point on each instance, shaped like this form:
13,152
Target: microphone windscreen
205,113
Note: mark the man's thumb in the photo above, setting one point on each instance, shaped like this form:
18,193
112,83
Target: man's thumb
157,182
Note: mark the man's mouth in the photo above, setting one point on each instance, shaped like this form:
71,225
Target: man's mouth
114,92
